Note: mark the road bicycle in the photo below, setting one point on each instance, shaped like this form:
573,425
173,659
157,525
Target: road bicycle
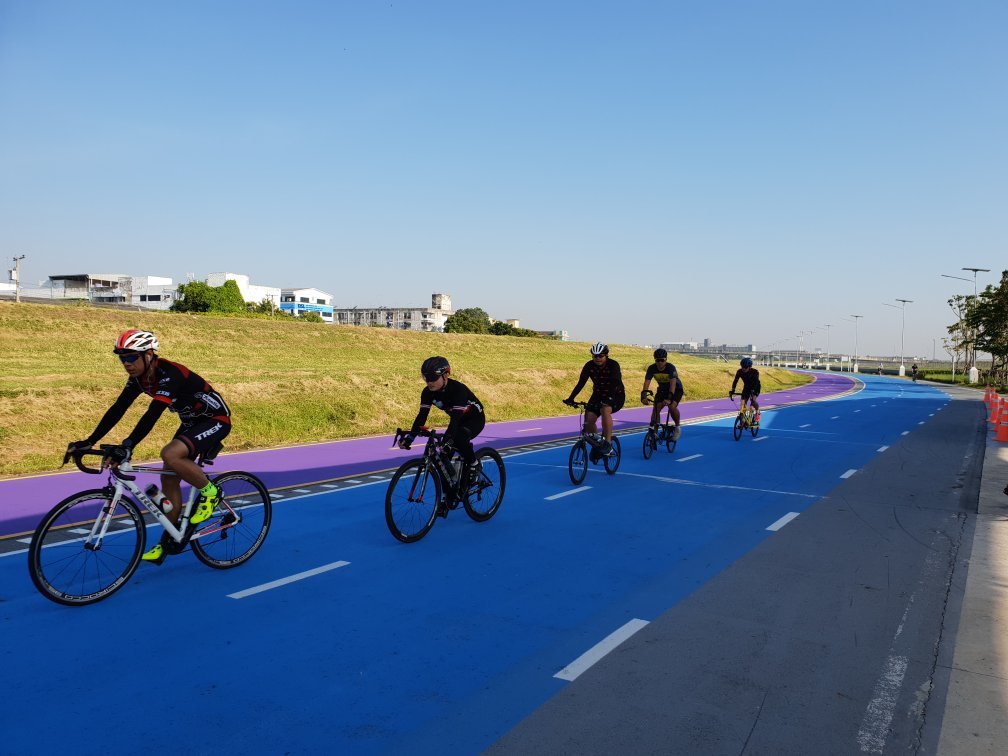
580,456
89,545
746,419
423,488
659,432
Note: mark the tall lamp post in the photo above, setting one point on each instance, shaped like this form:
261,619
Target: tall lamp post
854,365
17,277
903,303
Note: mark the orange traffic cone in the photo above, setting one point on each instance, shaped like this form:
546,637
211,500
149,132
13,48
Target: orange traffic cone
995,410
987,395
1002,425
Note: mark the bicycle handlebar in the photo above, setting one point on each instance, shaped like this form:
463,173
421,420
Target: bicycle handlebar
401,434
105,452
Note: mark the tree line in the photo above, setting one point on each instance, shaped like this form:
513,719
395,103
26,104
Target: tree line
981,326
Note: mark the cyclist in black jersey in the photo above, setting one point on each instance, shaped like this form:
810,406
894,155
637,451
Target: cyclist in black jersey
670,389
205,417
464,410
750,384
608,394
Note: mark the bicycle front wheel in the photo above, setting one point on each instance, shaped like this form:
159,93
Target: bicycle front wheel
754,429
70,566
670,444
737,429
411,503
485,494
611,461
650,444
239,524
577,463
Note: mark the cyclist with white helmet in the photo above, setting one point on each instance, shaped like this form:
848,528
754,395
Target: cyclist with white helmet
608,394
670,389
205,418
465,411
750,384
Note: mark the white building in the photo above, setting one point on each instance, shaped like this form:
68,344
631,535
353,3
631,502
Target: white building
300,301
151,292
404,318
251,293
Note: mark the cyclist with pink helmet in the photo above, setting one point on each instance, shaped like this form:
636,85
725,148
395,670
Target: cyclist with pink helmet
205,418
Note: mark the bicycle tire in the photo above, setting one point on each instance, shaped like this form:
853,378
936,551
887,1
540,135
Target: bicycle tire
754,429
650,443
65,570
239,524
482,500
577,463
611,461
737,429
410,519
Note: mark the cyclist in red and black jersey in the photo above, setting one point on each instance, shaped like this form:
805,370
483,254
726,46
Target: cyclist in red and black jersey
205,421
464,410
750,384
608,394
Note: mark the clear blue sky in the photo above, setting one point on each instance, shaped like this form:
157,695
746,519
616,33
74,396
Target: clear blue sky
630,171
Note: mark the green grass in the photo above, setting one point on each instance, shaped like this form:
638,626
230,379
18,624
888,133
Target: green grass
286,382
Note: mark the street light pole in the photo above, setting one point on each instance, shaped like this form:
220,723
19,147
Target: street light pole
854,367
17,278
904,302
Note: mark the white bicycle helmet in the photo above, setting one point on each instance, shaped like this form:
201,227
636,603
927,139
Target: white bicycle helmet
135,340
599,348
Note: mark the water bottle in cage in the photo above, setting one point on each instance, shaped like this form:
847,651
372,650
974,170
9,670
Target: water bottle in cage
158,498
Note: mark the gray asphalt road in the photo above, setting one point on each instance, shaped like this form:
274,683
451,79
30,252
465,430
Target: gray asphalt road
827,638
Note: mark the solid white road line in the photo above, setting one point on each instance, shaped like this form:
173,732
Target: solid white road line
691,456
782,521
567,493
878,716
882,448
584,662
848,473
284,581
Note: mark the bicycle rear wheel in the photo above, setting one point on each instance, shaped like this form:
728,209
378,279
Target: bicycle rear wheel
411,503
239,524
70,567
754,428
611,461
737,429
670,444
650,443
484,496
577,464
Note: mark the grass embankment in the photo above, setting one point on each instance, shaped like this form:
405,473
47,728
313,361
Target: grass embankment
286,382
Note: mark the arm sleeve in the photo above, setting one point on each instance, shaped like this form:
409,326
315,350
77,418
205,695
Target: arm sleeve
735,382
421,418
146,423
581,382
115,413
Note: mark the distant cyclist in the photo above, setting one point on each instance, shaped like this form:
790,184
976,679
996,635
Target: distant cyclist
913,372
206,420
750,384
670,390
464,410
608,394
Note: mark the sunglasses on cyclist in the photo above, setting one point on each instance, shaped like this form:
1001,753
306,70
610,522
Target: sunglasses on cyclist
129,359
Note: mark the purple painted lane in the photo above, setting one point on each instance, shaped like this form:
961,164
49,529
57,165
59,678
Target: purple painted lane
23,501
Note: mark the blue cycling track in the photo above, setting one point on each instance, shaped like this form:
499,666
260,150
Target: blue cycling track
337,638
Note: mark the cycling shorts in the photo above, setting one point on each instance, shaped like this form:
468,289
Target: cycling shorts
663,393
750,393
202,435
596,401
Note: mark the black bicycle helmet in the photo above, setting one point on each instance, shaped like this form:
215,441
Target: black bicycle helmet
746,362
660,354
434,367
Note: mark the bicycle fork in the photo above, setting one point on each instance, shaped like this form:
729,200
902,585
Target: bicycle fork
102,522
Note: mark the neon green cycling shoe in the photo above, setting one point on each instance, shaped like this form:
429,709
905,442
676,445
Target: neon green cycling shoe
205,506
156,555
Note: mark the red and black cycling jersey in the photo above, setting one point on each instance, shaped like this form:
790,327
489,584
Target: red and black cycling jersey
662,376
606,378
750,379
455,399
173,387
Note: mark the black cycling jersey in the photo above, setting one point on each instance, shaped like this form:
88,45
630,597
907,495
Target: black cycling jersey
607,380
750,379
173,387
662,376
455,399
